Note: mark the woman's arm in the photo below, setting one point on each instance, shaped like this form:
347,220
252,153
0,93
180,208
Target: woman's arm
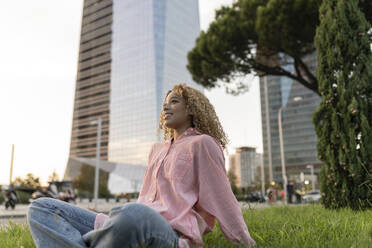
215,194
101,218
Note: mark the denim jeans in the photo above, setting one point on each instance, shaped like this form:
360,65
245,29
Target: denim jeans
55,223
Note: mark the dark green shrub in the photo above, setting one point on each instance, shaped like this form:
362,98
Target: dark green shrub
343,120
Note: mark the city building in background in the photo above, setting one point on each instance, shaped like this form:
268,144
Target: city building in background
92,90
257,170
151,39
244,164
122,177
131,53
299,138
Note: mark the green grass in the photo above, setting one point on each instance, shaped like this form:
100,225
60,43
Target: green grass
302,226
16,236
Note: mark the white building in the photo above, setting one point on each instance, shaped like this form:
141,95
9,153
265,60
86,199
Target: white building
122,177
243,163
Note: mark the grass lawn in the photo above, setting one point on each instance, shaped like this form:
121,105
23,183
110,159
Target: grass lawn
302,226
15,236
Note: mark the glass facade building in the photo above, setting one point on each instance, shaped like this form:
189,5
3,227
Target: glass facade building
92,91
299,138
131,53
150,41
243,164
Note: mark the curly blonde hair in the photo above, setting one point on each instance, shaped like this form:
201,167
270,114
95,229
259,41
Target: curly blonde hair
204,117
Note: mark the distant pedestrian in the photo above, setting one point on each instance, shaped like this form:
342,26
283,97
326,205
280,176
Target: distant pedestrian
270,194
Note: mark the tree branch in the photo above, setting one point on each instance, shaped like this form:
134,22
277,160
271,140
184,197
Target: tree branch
278,71
311,85
308,73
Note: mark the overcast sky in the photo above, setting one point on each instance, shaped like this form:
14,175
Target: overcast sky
39,51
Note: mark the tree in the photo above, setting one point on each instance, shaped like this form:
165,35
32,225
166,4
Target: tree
343,121
85,181
264,37
29,182
259,177
233,182
53,177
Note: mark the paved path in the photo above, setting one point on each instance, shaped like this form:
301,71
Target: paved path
102,206
5,222
18,215
255,205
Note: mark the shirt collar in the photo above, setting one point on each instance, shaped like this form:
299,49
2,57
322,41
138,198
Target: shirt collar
191,131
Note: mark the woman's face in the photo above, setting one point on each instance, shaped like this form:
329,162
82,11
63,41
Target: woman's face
175,111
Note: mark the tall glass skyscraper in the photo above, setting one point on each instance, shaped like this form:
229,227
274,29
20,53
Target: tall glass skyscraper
92,90
150,42
299,136
131,53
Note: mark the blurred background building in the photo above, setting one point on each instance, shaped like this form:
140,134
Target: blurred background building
122,177
92,90
299,138
131,53
244,163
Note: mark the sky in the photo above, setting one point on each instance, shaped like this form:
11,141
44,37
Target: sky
38,65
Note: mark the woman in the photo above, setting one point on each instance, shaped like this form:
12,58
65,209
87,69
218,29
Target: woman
185,189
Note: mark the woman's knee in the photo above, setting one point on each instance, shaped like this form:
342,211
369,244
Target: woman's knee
131,209
35,206
135,221
136,207
40,204
42,201
130,216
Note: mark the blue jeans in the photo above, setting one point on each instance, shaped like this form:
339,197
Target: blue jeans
55,223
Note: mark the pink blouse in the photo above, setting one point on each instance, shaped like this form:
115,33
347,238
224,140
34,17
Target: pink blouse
186,183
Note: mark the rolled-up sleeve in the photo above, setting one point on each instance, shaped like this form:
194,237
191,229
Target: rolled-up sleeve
215,194
100,220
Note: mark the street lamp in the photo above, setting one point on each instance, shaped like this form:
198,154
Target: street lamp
11,167
268,129
99,122
284,174
262,176
310,166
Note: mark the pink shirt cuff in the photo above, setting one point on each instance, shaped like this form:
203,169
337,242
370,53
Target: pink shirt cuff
100,219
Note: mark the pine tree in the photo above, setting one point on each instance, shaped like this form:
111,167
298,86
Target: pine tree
343,119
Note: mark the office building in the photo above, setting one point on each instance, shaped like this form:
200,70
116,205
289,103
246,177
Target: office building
131,53
244,164
299,138
92,90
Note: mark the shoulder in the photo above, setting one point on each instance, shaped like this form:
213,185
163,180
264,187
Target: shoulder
153,146
208,153
156,146
205,141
